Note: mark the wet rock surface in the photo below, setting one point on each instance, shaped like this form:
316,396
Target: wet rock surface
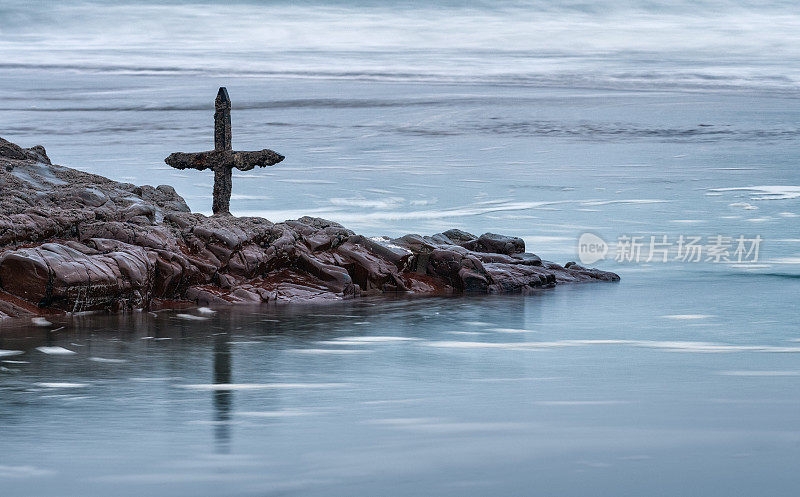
72,241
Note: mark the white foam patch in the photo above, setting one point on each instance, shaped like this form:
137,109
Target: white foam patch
478,345
191,317
468,333
55,350
708,347
367,340
581,402
40,321
156,378
744,205
766,192
477,323
381,203
206,310
785,260
328,351
675,346
23,471
687,317
307,181
8,353
259,386
441,427
759,373
284,413
523,378
61,385
634,201
393,401
107,360
511,330
398,215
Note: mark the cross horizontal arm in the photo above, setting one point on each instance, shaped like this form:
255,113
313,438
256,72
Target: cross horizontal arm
243,161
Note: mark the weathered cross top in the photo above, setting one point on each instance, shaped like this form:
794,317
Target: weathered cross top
223,159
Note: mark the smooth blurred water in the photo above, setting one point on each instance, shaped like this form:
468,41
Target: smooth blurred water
544,120
590,389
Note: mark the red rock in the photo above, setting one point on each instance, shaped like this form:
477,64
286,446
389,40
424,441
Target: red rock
72,241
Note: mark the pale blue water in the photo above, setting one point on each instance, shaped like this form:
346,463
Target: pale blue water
545,120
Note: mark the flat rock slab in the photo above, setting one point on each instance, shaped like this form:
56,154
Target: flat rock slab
73,241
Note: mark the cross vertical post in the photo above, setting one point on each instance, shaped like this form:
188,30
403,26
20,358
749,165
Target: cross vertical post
223,176
222,121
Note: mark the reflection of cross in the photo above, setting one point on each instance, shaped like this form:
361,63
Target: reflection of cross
223,159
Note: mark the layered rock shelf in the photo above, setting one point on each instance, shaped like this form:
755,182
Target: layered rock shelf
71,241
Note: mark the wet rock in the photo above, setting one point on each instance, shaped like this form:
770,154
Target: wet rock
496,244
74,241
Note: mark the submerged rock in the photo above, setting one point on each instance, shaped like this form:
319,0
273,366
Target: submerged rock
73,241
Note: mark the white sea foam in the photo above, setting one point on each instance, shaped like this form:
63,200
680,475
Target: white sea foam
40,321
191,317
578,403
744,205
328,351
61,385
283,413
55,350
259,386
511,330
675,346
634,201
7,471
785,260
307,181
428,425
206,310
369,339
7,353
393,401
759,373
381,203
686,317
766,192
107,360
520,379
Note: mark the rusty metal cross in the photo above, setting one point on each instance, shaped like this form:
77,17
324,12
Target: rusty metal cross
223,159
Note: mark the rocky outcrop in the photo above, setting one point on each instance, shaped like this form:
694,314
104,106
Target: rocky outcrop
73,241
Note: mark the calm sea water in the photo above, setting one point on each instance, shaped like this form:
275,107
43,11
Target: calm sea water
542,119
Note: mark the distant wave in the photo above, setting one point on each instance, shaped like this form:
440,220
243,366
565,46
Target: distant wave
704,44
585,130
767,79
